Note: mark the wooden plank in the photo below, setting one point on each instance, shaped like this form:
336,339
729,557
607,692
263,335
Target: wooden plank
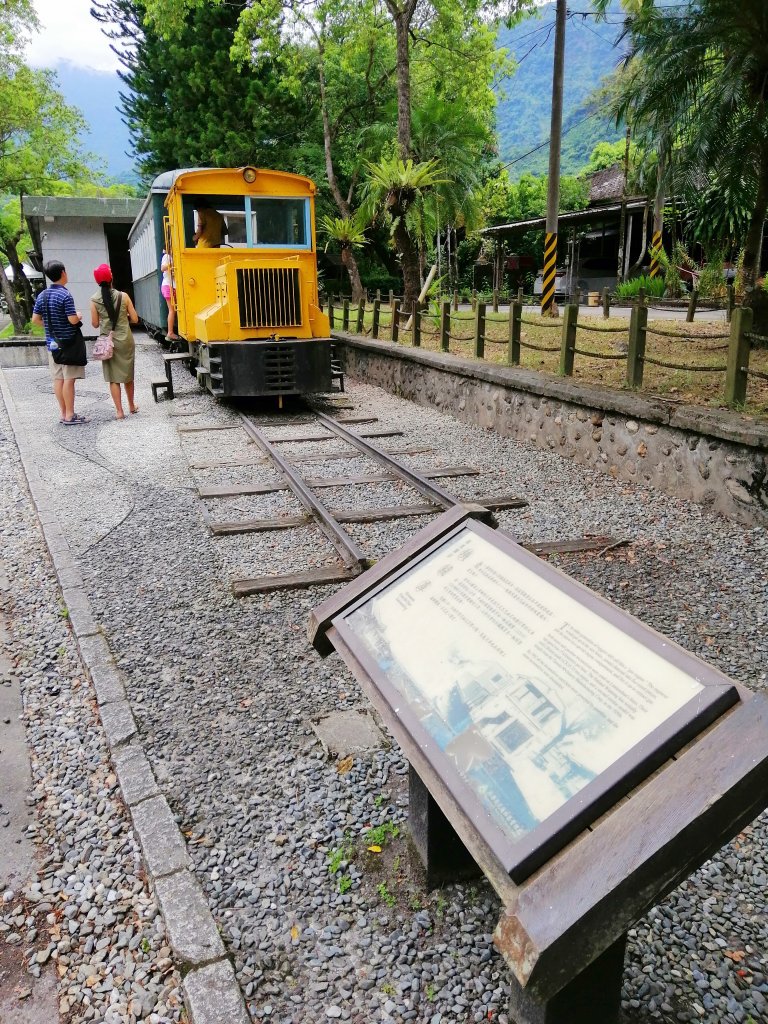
294,581
414,450
225,464
208,426
236,490
330,437
176,357
374,515
358,419
564,547
258,525
262,461
495,503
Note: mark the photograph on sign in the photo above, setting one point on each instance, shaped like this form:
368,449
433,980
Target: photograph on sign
526,691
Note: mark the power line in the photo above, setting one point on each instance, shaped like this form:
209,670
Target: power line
541,145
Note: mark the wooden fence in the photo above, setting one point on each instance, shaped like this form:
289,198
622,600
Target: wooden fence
389,321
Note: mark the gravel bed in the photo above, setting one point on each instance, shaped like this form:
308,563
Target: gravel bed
254,506
224,692
86,913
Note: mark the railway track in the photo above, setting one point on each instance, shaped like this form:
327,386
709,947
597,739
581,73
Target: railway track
431,495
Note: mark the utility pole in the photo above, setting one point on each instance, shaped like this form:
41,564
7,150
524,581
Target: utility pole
657,243
555,140
623,218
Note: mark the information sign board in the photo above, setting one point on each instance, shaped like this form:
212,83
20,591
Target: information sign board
538,703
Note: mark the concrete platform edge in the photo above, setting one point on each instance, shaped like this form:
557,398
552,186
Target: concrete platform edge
212,994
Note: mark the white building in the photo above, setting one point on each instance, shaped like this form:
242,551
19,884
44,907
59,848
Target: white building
83,232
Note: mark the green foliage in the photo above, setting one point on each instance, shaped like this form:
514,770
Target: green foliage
189,105
652,286
346,232
431,993
381,834
345,884
386,896
711,108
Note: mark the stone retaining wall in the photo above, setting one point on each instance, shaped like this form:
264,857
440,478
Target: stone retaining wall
16,352
714,457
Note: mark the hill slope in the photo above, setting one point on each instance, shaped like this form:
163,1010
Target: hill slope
523,113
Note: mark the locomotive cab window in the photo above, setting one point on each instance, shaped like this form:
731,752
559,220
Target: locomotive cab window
246,222
277,222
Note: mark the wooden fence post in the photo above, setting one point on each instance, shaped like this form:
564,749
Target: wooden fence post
731,302
638,321
568,343
692,303
480,330
375,320
520,295
345,315
738,356
395,320
378,294
330,312
416,324
456,301
641,297
359,326
606,303
495,300
515,327
445,326
473,300
391,298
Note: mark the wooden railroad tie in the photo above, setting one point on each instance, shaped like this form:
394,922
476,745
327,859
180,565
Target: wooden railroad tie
261,460
237,490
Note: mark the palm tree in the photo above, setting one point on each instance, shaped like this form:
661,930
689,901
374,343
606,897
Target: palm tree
398,189
349,234
698,75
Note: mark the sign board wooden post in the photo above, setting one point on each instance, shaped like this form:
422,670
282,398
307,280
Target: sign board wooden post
587,764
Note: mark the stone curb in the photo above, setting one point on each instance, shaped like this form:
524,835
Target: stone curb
212,994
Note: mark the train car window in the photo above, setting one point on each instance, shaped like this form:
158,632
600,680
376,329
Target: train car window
280,222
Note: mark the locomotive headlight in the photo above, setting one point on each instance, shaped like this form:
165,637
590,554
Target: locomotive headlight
249,174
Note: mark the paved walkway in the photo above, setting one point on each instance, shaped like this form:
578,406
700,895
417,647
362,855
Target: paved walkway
221,696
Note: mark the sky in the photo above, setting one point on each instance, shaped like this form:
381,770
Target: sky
69,33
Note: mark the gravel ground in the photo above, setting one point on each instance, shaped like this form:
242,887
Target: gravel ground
224,692
87,913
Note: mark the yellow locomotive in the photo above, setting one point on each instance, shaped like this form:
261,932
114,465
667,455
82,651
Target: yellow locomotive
242,245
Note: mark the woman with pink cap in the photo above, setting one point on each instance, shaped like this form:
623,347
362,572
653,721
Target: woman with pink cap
112,310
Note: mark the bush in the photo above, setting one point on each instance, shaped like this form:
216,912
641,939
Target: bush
653,287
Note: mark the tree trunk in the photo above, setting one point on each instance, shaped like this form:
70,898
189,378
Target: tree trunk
350,265
754,241
16,312
402,17
409,261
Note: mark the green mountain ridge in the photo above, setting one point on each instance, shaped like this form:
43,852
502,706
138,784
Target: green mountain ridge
525,100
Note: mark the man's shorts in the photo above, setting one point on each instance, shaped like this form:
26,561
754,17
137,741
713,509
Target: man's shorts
60,371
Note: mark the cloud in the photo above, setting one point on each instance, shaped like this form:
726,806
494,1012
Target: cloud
69,33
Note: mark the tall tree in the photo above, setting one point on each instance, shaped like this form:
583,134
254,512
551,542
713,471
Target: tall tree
698,76
187,104
38,133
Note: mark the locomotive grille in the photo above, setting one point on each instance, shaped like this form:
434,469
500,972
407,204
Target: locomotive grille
279,368
269,297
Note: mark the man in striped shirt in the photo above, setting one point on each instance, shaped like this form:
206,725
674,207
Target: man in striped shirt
55,310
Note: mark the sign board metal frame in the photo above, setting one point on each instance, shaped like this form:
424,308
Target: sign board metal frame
578,903
519,858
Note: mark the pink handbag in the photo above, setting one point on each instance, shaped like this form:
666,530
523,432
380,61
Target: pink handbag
104,347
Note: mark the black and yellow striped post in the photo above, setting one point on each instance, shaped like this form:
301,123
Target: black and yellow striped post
550,273
656,248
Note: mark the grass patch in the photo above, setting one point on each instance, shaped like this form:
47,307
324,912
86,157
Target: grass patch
35,331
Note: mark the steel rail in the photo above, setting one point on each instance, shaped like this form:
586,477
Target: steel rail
351,553
420,483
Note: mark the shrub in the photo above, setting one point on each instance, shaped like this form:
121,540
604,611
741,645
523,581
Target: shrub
653,287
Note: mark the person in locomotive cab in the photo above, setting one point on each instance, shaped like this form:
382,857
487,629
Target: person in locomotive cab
210,226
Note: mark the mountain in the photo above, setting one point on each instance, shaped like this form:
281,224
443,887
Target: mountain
96,95
525,100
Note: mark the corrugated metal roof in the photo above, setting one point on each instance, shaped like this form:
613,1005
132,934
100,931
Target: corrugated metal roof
594,215
101,207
